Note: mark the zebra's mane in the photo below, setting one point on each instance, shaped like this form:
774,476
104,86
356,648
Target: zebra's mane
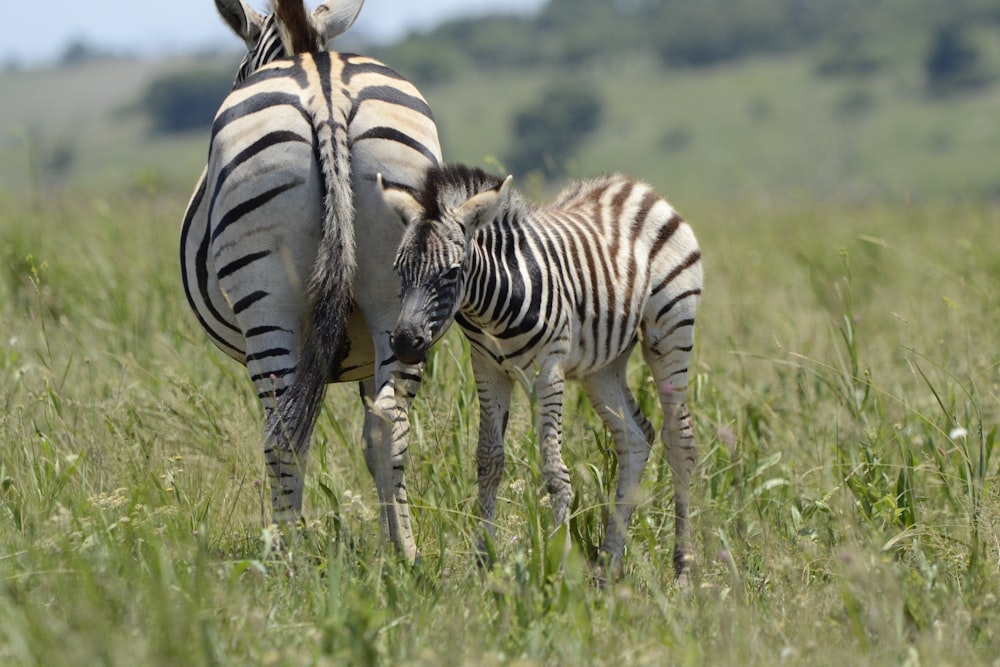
449,186
582,192
297,32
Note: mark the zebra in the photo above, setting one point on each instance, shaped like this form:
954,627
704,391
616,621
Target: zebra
285,210
555,292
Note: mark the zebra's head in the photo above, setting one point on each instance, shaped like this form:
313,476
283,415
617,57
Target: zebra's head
432,260
286,30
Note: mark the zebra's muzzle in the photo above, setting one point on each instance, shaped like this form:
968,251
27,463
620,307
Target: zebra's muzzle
415,331
409,346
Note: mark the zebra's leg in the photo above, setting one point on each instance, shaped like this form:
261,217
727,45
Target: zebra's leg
494,388
549,386
286,446
272,357
289,427
262,268
679,435
407,383
377,432
386,432
367,390
670,371
286,463
632,433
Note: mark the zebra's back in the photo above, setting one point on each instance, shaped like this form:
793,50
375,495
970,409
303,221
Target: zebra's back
606,256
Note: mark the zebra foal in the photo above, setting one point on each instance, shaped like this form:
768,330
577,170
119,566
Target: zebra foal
556,292
286,245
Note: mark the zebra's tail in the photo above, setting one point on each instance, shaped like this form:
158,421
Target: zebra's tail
329,292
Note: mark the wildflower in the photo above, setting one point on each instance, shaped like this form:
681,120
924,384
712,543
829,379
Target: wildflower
271,540
109,501
957,433
355,505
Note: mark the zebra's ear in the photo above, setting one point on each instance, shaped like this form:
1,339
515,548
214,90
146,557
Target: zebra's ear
505,186
334,17
402,203
482,209
243,20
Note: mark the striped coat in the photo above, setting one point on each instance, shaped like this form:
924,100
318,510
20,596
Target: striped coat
556,292
286,245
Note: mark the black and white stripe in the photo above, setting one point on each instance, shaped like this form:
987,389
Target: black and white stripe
268,48
556,292
286,246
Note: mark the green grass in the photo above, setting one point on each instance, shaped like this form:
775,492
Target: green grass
846,402
841,517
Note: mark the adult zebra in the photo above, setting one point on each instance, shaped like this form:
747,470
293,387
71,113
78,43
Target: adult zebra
285,210
555,292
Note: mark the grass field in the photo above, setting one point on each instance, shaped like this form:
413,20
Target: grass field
846,402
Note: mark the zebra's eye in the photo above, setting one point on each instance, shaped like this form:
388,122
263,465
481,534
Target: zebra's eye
451,274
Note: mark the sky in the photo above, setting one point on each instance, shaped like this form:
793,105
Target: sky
38,33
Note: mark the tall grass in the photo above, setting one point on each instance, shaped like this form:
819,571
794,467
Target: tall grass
846,405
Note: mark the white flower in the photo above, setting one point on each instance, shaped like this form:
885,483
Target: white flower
957,433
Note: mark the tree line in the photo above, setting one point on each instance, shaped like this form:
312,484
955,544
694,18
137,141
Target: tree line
691,33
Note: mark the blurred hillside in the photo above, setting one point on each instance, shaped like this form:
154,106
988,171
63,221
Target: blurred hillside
762,99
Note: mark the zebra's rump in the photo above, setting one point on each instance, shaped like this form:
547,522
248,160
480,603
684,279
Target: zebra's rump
388,128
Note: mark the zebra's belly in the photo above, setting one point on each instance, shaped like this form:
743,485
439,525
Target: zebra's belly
576,352
357,355
201,283
584,361
603,338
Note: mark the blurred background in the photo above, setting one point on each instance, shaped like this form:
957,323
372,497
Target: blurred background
710,100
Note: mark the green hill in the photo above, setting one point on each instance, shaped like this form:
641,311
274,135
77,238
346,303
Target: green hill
763,128
845,101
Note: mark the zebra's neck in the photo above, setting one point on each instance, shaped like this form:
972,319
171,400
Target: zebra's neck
502,280
268,48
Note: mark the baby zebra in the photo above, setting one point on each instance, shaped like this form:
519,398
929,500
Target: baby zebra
546,293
